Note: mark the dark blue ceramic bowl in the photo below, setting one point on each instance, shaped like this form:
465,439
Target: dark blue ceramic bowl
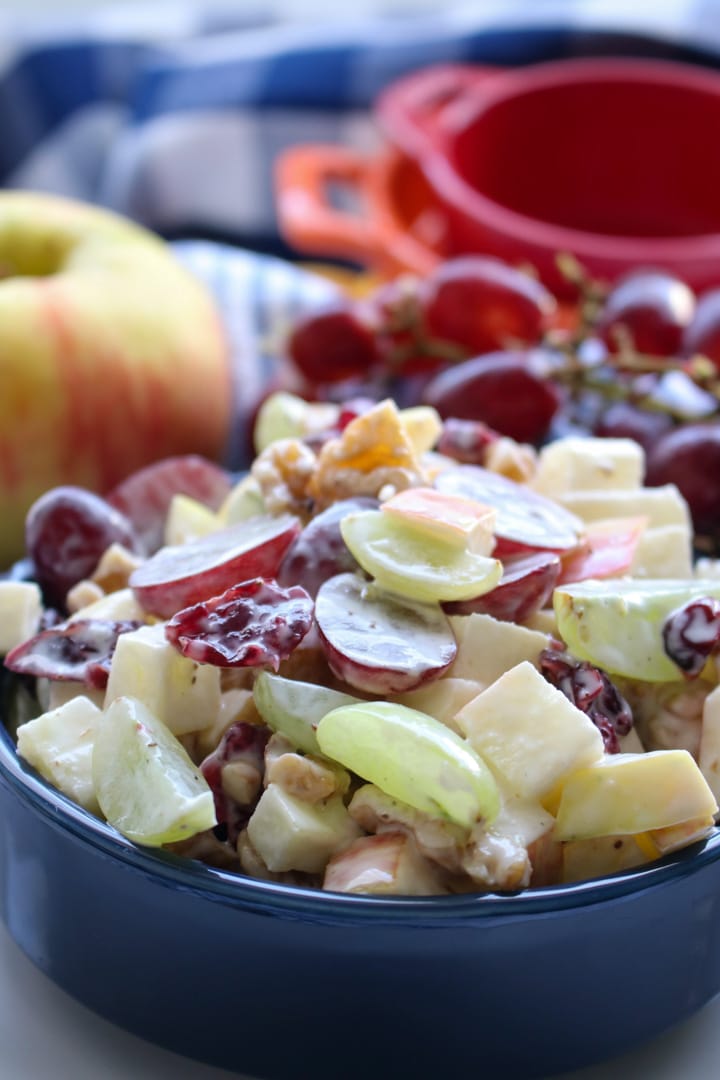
281,982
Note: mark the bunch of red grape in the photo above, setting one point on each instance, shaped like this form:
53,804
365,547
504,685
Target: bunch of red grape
484,342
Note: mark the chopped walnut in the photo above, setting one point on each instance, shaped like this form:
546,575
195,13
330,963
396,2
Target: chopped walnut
283,472
241,781
515,460
82,595
440,841
306,777
496,862
374,452
667,716
115,567
206,847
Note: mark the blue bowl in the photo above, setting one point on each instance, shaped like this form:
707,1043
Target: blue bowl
280,982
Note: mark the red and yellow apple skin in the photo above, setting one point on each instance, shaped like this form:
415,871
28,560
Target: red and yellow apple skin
112,355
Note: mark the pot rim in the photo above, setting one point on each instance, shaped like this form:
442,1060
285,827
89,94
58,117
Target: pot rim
453,190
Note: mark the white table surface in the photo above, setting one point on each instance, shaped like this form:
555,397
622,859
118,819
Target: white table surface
46,1035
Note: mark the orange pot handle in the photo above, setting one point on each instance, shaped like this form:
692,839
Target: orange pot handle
304,176
411,110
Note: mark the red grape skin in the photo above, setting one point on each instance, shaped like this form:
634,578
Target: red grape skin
689,457
508,391
654,308
67,530
623,420
333,345
702,336
485,305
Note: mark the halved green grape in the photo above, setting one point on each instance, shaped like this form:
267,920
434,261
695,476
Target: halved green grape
296,708
146,785
411,757
617,625
407,561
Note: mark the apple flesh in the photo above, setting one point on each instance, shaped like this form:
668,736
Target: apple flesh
113,355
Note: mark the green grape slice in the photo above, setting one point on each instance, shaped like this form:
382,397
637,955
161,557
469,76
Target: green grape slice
296,708
146,785
406,561
411,757
617,625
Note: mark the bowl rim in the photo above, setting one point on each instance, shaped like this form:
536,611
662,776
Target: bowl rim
275,898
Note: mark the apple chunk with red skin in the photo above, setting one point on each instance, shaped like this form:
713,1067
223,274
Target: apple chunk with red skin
112,355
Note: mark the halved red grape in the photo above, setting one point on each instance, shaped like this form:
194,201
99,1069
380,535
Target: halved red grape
67,530
702,335
485,304
145,496
79,651
526,521
177,577
525,587
319,551
689,457
333,345
380,643
652,307
511,392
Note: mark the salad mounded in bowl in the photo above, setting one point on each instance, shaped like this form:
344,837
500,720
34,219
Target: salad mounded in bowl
396,658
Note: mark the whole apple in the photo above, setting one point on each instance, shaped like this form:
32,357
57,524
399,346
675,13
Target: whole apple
112,355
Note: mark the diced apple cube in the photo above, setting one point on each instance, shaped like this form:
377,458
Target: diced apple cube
664,551
660,505
52,693
441,699
188,519
244,501
291,834
465,523
627,794
487,647
117,606
184,695
675,837
20,609
589,464
599,856
59,744
423,426
387,864
529,732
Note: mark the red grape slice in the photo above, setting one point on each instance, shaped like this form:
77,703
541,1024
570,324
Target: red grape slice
510,392
145,496
253,624
525,587
67,530
80,651
526,521
380,643
652,307
177,577
485,304
319,552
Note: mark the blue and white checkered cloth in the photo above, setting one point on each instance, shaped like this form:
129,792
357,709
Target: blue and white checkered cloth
175,116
